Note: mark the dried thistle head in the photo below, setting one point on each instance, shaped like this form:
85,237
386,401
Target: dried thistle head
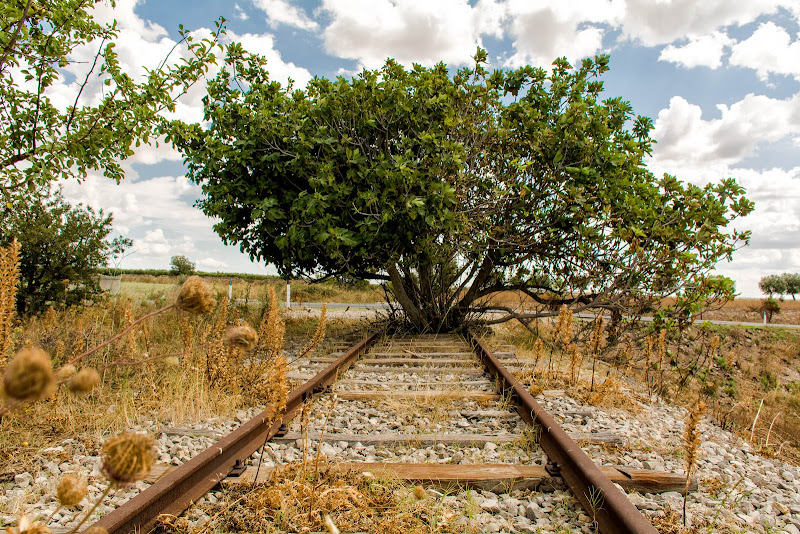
127,457
29,376
195,296
243,337
66,371
84,381
71,490
26,526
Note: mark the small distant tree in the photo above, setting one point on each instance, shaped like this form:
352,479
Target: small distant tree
792,281
770,307
62,248
773,284
180,265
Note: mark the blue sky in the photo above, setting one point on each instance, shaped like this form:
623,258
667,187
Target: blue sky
720,78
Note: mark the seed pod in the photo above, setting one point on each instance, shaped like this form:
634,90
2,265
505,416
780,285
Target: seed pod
84,381
29,376
242,336
195,296
127,457
71,490
66,371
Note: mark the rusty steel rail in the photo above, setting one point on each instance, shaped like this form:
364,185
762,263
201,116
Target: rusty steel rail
177,490
600,498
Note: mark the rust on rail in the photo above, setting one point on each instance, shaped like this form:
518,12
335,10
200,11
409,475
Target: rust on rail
177,490
600,498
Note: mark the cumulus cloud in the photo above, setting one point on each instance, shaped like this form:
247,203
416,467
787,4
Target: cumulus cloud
211,264
282,12
154,243
702,51
774,224
708,150
410,31
163,202
770,50
665,21
684,136
548,29
279,70
239,12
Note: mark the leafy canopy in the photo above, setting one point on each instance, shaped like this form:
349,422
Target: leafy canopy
181,265
457,187
62,246
42,142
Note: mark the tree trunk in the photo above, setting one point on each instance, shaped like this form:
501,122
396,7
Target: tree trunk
412,311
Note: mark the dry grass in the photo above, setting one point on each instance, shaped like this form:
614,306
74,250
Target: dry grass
300,495
150,377
148,287
731,368
9,278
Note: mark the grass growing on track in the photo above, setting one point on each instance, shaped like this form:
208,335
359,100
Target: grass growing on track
300,495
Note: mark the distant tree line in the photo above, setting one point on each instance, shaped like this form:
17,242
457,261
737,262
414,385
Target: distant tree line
780,284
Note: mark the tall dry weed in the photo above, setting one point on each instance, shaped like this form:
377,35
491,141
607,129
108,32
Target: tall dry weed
9,280
691,442
596,344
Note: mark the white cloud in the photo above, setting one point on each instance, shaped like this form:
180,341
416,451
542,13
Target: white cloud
665,21
239,12
282,12
775,224
410,31
279,70
163,202
684,137
154,243
211,264
769,50
703,51
545,30
708,150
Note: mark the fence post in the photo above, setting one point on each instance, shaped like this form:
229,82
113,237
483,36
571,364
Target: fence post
288,294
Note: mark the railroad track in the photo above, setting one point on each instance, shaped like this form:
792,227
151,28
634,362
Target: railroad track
385,394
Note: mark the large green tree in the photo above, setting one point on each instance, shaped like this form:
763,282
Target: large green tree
454,187
62,246
41,142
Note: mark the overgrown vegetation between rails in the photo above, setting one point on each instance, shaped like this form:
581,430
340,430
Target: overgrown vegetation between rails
305,496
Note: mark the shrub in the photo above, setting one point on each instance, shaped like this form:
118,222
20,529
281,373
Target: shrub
181,265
